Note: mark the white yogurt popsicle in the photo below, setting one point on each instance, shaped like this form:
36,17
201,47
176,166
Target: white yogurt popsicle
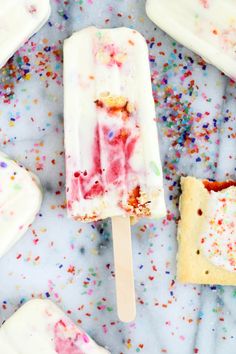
40,327
20,200
19,20
112,150
208,27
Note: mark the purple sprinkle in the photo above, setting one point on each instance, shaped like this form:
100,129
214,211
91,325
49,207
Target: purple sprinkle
3,164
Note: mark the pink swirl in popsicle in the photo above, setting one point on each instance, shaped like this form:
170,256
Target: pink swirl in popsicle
120,145
68,338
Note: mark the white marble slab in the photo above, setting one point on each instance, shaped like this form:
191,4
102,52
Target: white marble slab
72,263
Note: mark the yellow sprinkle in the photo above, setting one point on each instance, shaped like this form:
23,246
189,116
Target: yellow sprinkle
43,230
28,76
94,252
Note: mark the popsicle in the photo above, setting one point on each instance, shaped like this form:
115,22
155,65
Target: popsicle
112,153
207,27
20,200
40,327
19,20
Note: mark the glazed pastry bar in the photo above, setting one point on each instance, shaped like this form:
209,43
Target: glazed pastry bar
207,232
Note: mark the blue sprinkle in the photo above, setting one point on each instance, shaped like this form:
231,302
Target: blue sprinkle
3,164
200,314
111,134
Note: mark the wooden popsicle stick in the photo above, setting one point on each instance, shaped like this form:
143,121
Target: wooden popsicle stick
122,247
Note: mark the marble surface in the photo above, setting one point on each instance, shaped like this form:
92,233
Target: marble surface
72,263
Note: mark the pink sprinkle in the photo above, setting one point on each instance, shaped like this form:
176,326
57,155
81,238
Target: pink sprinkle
205,3
32,9
105,330
85,338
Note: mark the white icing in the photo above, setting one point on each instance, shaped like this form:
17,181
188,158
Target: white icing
218,241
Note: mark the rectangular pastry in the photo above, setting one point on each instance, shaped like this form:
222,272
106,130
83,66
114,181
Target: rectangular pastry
207,232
